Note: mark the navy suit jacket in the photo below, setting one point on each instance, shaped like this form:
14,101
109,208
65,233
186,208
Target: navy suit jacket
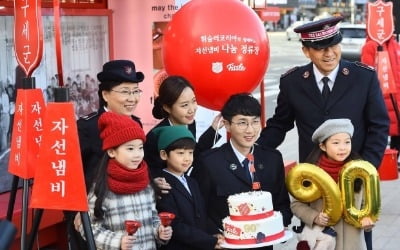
356,95
190,224
220,174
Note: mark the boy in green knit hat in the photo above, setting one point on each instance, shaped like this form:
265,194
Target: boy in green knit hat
176,145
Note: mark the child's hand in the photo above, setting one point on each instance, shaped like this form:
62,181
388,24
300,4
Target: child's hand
322,219
220,241
127,242
367,224
164,233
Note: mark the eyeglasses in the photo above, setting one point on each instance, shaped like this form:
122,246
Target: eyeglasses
127,93
242,125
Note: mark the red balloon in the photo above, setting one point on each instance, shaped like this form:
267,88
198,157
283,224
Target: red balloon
220,46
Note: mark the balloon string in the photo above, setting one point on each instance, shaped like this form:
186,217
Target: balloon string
216,131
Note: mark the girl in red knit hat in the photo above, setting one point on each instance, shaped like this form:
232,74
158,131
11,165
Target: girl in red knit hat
121,190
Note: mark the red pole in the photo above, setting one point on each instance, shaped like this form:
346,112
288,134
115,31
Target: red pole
262,102
57,37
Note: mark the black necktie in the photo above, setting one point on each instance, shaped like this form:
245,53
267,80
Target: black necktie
325,89
245,163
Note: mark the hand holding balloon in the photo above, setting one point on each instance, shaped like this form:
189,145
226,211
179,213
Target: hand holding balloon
322,219
367,223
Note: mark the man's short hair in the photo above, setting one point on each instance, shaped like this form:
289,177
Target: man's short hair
241,104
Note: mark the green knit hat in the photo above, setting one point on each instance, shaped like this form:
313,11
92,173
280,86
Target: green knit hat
169,134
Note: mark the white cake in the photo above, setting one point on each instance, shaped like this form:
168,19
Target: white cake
252,219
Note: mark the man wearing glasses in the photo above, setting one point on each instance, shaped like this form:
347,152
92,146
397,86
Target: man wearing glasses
240,165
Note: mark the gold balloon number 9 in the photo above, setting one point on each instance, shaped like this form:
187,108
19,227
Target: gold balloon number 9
307,183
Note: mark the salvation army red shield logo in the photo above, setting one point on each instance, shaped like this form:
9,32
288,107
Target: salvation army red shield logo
380,25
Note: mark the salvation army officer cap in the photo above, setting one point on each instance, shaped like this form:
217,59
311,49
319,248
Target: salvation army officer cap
320,34
120,71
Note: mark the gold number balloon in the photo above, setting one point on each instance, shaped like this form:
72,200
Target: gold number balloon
307,183
372,201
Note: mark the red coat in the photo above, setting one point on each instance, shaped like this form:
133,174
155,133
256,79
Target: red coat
368,55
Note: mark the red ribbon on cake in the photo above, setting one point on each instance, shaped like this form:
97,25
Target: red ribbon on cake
255,241
252,217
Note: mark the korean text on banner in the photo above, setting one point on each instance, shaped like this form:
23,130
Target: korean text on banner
59,181
27,132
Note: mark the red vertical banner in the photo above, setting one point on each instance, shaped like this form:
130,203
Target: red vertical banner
28,34
27,132
380,24
385,73
59,181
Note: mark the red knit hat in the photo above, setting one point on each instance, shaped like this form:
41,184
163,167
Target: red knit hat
116,129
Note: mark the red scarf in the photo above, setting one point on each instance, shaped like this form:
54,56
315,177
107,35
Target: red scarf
332,167
122,180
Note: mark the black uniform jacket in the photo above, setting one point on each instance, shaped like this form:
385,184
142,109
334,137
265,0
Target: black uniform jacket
152,155
190,223
220,174
90,143
356,95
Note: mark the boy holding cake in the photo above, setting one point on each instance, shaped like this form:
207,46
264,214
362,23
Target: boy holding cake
240,165
176,145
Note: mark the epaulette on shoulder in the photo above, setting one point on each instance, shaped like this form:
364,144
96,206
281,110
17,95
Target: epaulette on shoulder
289,71
89,116
365,66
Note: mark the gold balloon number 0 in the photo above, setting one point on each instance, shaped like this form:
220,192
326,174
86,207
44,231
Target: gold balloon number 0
307,183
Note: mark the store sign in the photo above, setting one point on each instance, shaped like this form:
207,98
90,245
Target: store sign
28,34
380,25
270,14
277,1
163,10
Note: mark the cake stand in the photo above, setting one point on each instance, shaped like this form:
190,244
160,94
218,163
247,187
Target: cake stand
288,235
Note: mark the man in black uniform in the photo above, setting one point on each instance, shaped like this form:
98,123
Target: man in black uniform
351,91
118,92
